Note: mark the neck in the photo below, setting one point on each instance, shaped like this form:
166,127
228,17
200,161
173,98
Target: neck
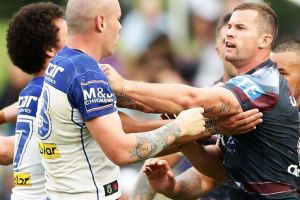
43,70
226,77
85,43
244,67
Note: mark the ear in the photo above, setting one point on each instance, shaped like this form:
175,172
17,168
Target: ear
265,41
100,23
50,52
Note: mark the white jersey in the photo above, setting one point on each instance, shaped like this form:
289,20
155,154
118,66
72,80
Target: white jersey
29,177
75,90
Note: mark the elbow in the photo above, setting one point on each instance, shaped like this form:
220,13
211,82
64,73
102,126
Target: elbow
6,156
6,151
119,157
6,161
119,160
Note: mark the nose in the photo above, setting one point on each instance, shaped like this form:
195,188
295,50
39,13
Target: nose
229,33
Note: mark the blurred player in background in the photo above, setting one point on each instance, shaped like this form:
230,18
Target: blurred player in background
35,33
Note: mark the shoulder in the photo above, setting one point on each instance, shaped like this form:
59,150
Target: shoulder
34,87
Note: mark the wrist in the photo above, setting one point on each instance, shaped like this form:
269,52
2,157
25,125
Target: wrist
175,192
211,127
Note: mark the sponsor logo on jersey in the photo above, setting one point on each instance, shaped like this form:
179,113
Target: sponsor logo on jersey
111,188
52,71
229,143
97,95
294,169
250,88
293,101
24,103
22,179
49,151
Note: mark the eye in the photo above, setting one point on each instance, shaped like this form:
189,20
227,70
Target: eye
282,72
241,28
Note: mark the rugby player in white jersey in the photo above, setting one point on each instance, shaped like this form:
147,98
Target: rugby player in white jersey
35,33
81,139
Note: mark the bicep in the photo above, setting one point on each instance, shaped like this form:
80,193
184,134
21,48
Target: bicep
107,131
217,101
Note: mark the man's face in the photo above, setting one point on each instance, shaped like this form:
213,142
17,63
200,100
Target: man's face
220,47
289,66
242,37
113,27
62,33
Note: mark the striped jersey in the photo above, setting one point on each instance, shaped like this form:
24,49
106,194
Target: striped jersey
263,164
75,90
29,177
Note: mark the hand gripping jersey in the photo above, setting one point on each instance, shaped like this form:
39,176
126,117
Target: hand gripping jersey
28,170
75,90
263,164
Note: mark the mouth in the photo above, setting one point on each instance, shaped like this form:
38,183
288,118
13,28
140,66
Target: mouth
230,45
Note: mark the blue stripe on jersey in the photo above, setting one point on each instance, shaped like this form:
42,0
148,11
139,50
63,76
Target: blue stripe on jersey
87,159
27,108
24,127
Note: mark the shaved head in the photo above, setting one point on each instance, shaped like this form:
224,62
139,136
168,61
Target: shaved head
80,14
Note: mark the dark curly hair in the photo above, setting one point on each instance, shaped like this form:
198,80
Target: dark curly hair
31,31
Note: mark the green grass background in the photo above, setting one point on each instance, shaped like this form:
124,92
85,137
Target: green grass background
4,60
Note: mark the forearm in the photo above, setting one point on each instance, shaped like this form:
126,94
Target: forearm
206,159
131,125
191,185
9,113
128,148
124,148
148,144
142,189
163,98
173,98
6,150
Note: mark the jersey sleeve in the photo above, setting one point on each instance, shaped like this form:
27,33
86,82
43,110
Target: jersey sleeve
28,100
92,95
259,90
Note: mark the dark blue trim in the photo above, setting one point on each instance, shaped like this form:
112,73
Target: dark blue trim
87,159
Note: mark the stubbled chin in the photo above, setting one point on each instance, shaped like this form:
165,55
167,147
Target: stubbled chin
230,58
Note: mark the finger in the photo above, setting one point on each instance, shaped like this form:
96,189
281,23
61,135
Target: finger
246,114
170,174
244,119
147,171
256,119
250,127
